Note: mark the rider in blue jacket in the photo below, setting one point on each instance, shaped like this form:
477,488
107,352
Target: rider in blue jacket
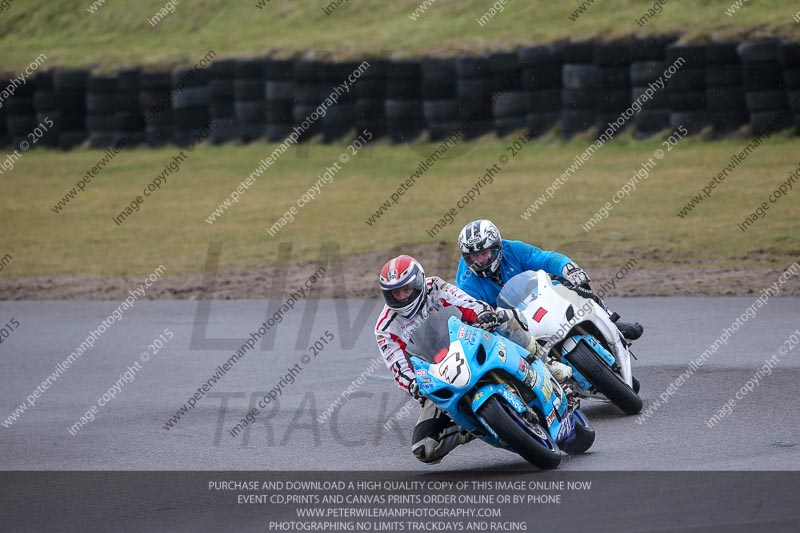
488,262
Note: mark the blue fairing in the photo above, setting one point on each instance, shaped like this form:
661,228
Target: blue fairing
471,355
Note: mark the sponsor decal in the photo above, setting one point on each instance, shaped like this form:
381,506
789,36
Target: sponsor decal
488,427
422,372
385,347
426,380
485,336
530,378
501,351
551,418
461,331
567,425
547,390
382,340
478,396
515,402
539,314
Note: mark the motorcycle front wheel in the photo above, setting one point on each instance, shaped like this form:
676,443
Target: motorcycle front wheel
530,441
605,380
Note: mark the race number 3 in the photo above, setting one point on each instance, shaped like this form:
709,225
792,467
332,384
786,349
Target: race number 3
454,369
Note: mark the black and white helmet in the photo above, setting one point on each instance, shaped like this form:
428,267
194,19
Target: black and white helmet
481,247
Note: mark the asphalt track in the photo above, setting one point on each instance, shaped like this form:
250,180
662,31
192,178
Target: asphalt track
670,472
127,434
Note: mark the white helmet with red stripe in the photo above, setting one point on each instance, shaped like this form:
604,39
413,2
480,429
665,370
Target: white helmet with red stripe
402,282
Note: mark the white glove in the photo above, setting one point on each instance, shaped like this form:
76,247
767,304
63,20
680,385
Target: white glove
575,274
413,390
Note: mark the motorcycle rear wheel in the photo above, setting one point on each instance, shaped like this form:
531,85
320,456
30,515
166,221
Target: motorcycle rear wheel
519,434
584,436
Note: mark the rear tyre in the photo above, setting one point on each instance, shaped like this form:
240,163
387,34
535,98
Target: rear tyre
519,434
604,379
584,435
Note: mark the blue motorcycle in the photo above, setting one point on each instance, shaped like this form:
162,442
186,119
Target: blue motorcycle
486,385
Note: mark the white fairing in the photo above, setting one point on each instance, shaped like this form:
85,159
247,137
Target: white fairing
546,313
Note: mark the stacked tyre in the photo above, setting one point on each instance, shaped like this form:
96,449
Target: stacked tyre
100,106
765,93
309,93
613,61
724,88
155,100
687,87
129,124
70,87
221,111
647,66
440,106
541,80
370,91
789,55
279,92
403,105
190,105
510,100
21,114
475,87
580,80
340,118
5,140
249,99
45,102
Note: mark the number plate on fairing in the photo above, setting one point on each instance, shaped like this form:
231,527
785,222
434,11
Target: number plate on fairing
454,369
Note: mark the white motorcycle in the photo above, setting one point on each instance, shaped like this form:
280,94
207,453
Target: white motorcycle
579,332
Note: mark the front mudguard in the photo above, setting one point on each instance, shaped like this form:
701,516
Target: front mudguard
503,390
487,391
596,347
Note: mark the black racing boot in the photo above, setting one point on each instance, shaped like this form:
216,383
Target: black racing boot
630,331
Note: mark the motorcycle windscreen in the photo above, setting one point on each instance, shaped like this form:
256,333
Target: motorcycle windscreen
432,335
517,289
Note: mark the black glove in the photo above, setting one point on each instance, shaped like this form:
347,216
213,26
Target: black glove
488,320
413,390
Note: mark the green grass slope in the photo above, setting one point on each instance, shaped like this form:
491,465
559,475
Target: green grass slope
118,33
171,224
